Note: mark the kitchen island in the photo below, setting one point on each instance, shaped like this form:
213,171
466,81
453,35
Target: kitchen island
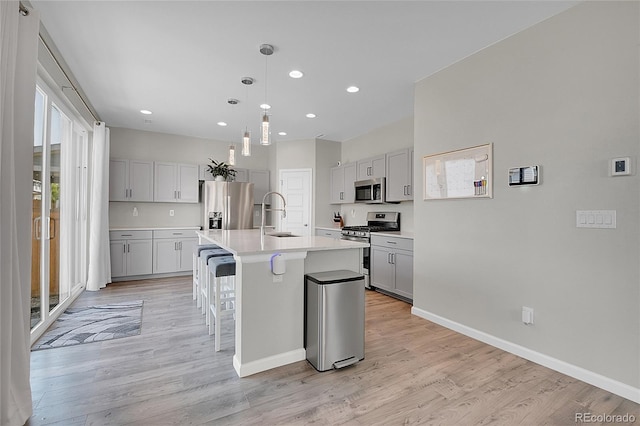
270,308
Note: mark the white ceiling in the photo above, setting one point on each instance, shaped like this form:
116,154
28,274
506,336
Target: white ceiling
184,59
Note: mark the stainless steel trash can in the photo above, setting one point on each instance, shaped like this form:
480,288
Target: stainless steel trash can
334,319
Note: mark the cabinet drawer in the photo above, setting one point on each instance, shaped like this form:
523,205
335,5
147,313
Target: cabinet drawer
329,233
392,242
174,233
129,235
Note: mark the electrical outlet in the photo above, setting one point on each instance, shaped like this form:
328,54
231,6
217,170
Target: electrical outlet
278,278
172,212
527,315
135,211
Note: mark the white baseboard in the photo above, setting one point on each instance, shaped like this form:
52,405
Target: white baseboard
595,379
268,363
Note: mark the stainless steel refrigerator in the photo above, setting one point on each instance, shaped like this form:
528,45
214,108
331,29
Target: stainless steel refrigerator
227,205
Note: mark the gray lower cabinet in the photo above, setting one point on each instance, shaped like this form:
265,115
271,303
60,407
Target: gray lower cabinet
391,265
172,250
130,253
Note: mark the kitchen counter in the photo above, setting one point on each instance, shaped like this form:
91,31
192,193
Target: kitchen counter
247,242
151,228
401,234
330,228
270,308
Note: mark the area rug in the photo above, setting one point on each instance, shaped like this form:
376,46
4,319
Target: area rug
93,324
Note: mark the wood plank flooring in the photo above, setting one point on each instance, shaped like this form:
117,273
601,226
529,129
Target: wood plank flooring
414,372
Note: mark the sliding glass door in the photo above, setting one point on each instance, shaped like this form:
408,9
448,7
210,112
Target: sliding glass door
58,230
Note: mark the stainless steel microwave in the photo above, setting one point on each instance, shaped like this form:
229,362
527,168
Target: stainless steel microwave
370,191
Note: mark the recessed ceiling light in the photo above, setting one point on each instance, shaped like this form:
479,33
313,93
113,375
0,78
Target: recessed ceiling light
265,106
353,89
282,133
296,74
146,112
311,115
221,123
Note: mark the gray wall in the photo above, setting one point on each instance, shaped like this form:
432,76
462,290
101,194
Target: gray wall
562,94
318,155
136,144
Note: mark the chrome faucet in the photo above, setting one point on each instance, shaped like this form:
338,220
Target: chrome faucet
283,209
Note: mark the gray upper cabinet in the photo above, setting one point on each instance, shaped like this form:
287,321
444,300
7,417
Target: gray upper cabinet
342,179
175,183
130,180
400,175
370,168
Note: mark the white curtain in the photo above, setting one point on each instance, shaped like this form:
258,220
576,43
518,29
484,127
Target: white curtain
99,253
18,55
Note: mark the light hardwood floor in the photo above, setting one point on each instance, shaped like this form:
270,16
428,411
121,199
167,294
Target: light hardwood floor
414,372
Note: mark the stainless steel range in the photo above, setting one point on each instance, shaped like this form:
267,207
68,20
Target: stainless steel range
376,222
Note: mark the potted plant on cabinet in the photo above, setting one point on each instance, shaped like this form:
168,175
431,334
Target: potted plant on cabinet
221,171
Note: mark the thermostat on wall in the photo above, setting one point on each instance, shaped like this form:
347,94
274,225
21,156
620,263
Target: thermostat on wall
529,175
620,166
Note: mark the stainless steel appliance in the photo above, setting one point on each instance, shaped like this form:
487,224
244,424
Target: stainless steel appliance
370,191
227,205
334,319
376,222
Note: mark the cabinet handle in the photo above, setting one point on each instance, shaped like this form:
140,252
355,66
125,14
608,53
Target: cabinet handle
391,242
36,227
179,195
408,189
126,235
128,248
124,248
180,245
388,257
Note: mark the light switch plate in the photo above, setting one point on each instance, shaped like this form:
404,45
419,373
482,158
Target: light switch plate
596,219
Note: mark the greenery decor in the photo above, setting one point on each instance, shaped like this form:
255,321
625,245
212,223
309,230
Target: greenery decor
221,169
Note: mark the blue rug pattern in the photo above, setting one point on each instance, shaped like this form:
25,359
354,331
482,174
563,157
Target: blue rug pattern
93,324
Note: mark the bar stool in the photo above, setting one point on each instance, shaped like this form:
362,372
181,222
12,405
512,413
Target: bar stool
204,257
196,255
221,296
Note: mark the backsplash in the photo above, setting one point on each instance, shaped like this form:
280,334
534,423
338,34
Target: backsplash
356,214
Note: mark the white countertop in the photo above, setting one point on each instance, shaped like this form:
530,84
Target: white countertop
329,228
401,234
247,241
152,228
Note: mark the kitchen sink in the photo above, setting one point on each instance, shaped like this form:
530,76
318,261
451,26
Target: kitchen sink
281,234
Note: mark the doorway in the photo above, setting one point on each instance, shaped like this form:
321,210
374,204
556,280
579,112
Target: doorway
59,209
296,186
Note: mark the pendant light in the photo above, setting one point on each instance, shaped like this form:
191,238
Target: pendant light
232,155
232,149
246,143
246,136
266,50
